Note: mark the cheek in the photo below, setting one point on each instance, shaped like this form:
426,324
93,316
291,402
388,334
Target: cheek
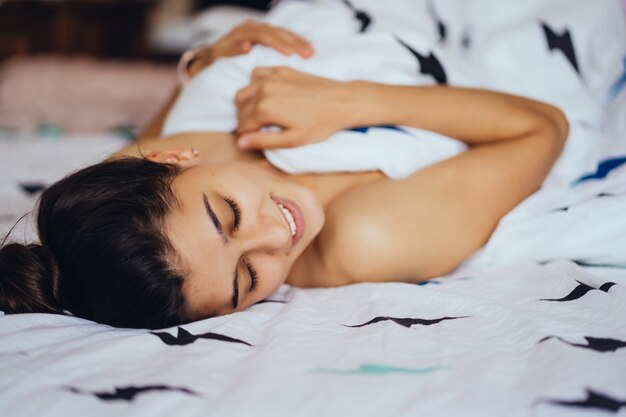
245,171
244,185
270,281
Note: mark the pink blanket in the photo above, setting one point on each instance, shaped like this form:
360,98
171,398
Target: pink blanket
81,94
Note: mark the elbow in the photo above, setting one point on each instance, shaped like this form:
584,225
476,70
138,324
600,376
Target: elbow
557,127
550,129
562,125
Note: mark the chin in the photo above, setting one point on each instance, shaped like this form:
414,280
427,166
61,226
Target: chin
317,216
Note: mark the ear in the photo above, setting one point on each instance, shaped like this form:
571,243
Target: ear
178,156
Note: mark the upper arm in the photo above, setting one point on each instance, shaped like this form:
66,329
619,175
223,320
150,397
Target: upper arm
429,223
393,233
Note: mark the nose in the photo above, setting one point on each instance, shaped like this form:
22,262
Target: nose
269,233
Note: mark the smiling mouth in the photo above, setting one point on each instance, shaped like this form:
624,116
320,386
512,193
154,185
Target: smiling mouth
290,220
293,217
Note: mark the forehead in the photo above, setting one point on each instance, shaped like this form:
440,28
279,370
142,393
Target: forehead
207,263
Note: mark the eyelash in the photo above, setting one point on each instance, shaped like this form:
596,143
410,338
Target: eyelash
234,206
253,275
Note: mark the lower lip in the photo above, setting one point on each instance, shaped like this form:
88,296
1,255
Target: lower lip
298,218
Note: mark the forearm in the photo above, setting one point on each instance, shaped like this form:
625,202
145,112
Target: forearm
237,42
470,115
453,205
200,60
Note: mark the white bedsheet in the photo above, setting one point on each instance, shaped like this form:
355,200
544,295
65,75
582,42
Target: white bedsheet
29,162
534,324
524,50
487,344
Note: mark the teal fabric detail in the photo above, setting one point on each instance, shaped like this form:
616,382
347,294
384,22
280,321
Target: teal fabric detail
50,129
374,369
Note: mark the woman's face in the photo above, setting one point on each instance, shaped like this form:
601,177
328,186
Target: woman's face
237,230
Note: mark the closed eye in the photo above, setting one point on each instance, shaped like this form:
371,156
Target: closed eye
254,278
234,206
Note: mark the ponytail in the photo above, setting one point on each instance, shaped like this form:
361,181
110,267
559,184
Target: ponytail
30,280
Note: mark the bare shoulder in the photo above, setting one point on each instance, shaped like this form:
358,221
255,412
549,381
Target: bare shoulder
429,223
382,231
400,231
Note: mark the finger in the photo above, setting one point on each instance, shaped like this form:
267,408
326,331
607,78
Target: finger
273,40
298,38
248,124
282,40
262,72
235,48
303,47
294,45
291,37
243,95
266,140
246,46
249,119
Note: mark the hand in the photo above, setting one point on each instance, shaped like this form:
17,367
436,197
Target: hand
242,38
297,108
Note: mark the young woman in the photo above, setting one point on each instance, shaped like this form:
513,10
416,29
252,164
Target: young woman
199,224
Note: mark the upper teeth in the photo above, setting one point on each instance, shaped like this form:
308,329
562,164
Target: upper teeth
289,216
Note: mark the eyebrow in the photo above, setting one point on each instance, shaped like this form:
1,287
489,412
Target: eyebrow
220,230
216,222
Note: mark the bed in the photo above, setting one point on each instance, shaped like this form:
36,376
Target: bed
533,324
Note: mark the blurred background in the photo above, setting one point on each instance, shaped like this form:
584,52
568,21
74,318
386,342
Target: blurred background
91,65
81,78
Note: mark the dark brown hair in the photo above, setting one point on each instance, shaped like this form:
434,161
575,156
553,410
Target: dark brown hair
102,254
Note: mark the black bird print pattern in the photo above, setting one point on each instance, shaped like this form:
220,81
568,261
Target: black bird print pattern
442,31
593,343
566,208
580,291
32,188
562,42
185,338
594,400
406,322
466,40
360,15
130,393
429,65
586,264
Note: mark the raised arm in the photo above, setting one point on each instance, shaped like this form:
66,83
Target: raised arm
310,108
470,115
430,222
238,41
